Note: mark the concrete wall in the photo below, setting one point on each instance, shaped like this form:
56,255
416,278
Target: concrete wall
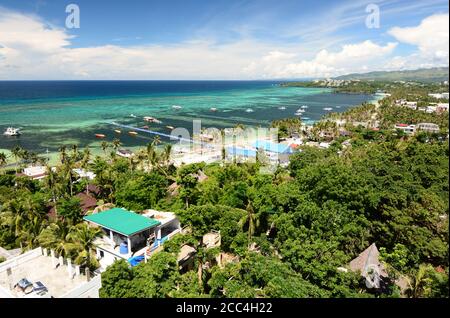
88,290
18,260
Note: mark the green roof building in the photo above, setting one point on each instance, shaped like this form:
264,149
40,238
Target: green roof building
122,221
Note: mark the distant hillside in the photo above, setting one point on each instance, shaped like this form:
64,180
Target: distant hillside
437,74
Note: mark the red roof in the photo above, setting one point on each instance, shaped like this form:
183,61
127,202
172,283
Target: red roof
86,201
402,125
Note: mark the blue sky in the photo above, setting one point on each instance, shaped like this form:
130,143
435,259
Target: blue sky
265,38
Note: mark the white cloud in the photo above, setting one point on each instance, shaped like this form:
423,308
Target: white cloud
30,48
431,36
351,58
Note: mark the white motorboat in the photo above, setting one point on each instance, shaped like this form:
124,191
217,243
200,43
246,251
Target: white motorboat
176,107
152,120
249,110
213,109
282,108
328,109
133,116
304,107
10,131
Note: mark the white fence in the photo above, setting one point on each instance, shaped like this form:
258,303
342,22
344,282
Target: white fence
21,259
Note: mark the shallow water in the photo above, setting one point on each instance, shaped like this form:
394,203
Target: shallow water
72,112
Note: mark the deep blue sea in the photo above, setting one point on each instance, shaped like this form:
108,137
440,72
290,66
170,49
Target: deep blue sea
52,113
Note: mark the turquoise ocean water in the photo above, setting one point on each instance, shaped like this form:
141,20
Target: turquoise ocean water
51,114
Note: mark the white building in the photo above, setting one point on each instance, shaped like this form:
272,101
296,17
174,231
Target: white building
408,129
85,174
131,236
35,172
46,276
440,95
428,127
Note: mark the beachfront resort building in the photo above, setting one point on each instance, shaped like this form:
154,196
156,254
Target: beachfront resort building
428,127
407,129
131,236
40,274
34,172
440,95
276,153
407,104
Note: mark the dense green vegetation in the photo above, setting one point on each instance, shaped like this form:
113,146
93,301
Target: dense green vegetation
285,234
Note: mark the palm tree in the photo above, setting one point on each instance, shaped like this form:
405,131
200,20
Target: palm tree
62,153
252,222
75,152
156,141
421,281
50,182
104,146
3,158
84,236
151,155
167,154
116,144
54,236
85,164
16,152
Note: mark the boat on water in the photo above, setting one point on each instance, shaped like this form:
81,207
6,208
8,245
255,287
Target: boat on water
328,109
133,133
300,111
152,120
100,136
282,108
249,110
117,131
11,131
170,127
304,107
133,116
338,106
176,107
213,109
146,127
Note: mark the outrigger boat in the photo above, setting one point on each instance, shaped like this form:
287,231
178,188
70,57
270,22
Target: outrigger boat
10,131
152,120
100,136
